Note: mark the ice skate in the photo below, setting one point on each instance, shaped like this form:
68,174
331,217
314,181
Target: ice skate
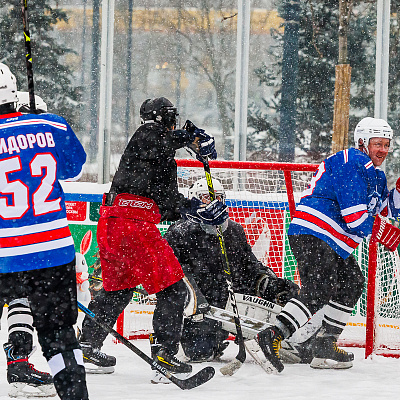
97,362
296,353
328,356
270,341
167,360
24,379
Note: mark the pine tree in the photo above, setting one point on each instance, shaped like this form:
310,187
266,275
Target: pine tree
53,78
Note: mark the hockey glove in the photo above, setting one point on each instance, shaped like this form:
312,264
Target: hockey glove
189,126
214,213
205,142
207,146
276,290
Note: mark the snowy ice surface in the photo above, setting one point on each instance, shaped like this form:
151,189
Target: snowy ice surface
376,378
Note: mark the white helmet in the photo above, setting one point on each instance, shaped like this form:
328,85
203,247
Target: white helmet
24,103
8,86
200,187
369,128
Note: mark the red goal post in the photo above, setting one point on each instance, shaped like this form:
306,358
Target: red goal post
385,238
262,197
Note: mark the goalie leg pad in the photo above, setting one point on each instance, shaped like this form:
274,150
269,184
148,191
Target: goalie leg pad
255,307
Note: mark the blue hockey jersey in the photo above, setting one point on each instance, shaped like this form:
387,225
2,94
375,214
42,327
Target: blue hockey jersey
36,151
340,203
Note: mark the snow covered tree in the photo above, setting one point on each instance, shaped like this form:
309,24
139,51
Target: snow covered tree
53,77
318,52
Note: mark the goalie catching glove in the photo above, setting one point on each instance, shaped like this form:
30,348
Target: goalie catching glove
203,144
215,213
274,289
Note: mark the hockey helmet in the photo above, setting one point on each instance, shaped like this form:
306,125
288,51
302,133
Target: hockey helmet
23,104
369,128
200,189
8,86
159,110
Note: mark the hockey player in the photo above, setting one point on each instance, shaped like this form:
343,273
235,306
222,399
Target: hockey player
197,248
20,322
37,255
335,213
144,192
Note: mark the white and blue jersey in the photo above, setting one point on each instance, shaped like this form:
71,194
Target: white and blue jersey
343,197
36,151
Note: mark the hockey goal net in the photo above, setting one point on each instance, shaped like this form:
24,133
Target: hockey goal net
262,197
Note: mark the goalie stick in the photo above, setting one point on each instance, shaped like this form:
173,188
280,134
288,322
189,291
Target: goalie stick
28,56
234,365
193,381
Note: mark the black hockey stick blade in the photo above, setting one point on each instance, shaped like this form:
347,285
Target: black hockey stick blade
193,381
203,376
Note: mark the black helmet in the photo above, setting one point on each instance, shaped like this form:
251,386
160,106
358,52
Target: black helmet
159,110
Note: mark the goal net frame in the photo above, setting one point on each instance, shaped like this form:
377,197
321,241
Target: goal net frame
364,325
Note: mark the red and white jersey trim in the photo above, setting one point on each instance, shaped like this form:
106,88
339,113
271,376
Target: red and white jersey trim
346,155
318,222
369,165
35,238
355,215
28,122
35,248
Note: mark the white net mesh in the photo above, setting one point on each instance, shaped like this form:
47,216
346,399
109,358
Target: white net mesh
387,303
258,200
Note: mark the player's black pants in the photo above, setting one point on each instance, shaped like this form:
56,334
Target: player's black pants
107,306
52,297
167,320
326,279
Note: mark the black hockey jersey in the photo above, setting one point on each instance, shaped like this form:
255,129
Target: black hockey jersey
199,254
148,168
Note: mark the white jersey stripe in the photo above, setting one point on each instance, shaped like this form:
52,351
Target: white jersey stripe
329,221
33,122
357,222
35,248
369,165
318,229
346,155
354,209
36,228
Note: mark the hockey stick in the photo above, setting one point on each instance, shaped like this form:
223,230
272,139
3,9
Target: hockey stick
193,381
234,365
28,55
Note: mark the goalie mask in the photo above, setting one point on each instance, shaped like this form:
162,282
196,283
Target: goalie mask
159,110
23,104
369,128
199,189
8,86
